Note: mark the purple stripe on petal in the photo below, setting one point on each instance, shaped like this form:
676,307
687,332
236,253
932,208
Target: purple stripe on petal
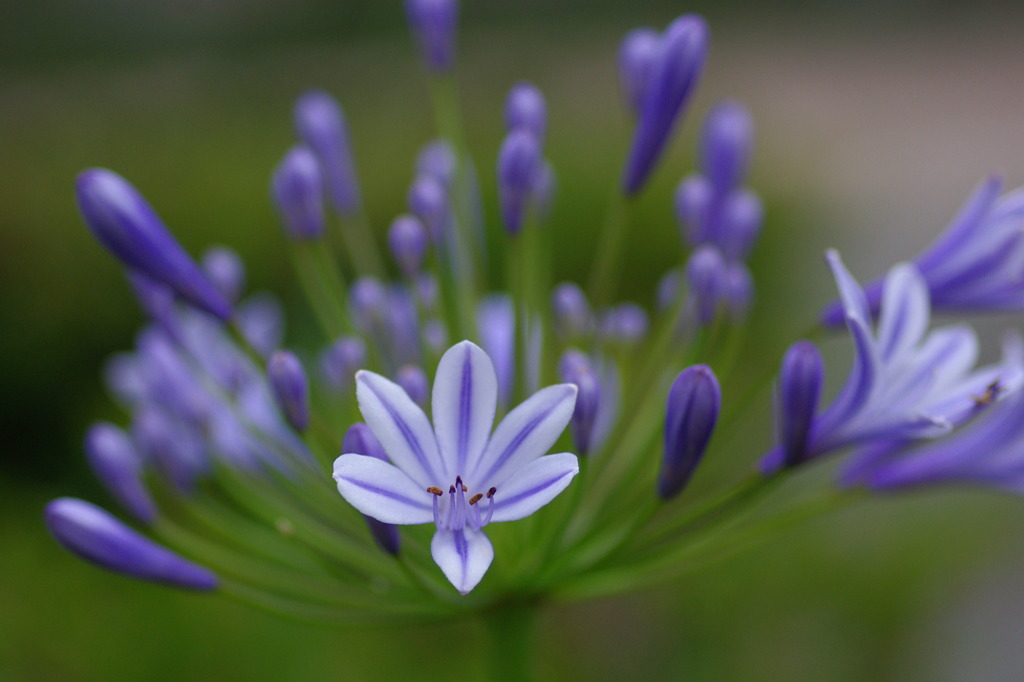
533,486
390,422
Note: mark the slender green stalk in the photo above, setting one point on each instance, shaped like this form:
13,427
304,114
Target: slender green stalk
512,629
604,273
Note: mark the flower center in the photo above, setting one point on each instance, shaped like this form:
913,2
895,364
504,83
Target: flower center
461,512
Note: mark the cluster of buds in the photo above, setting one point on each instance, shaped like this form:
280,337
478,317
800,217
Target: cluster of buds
231,462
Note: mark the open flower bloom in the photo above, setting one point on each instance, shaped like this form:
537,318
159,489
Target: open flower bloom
904,384
456,473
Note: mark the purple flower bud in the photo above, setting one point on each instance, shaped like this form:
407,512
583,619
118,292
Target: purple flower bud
575,368
130,229
261,320
367,300
123,375
739,224
93,534
118,467
320,124
525,109
414,381
725,145
518,164
543,191
693,205
156,300
174,447
342,360
625,323
673,78
670,288
433,24
427,291
435,335
408,241
690,416
291,392
637,55
572,312
297,187
800,381
738,289
359,440
225,269
705,273
428,201
437,159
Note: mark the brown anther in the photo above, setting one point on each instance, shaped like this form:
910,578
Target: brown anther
434,490
992,392
465,489
451,490
476,498
490,493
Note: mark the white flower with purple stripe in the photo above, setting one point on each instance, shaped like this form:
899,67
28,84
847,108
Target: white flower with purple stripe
455,472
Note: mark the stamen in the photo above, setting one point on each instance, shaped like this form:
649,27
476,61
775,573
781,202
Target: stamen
460,512
434,490
476,498
436,498
490,507
490,493
451,508
992,391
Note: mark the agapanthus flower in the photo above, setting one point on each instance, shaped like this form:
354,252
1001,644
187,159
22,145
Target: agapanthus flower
456,473
906,383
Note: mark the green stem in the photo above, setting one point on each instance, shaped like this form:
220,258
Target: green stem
511,627
609,248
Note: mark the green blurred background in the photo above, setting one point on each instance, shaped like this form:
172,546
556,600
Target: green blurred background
874,120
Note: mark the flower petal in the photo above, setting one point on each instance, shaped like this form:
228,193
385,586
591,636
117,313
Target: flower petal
465,397
533,486
904,313
381,490
525,434
855,394
401,427
855,304
463,556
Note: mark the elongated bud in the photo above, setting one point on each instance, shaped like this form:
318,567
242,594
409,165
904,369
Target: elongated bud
739,224
94,535
288,381
693,203
571,309
130,229
367,299
408,241
738,290
298,192
414,381
637,56
359,440
226,271
261,321
428,201
320,124
673,78
575,368
433,24
525,109
518,163
118,467
691,412
437,159
800,381
342,360
726,142
705,274
625,323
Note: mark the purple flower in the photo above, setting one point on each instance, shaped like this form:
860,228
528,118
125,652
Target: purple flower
638,54
525,109
976,264
800,380
131,230
437,159
691,413
706,276
226,271
93,534
119,468
456,473
359,440
725,145
408,241
291,391
519,161
320,124
673,78
433,24
575,368
904,384
298,192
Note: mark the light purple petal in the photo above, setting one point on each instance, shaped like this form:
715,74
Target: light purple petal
525,434
854,302
464,399
401,427
864,375
381,490
533,486
904,313
463,556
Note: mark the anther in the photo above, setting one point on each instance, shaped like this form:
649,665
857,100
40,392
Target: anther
992,392
476,498
434,490
451,490
490,493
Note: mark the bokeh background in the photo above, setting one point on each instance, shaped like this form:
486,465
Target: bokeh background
874,120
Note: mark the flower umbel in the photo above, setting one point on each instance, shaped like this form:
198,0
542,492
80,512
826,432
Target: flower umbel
456,473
